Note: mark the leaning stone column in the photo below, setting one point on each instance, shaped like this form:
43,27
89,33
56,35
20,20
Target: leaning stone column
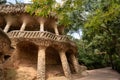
41,64
65,65
41,26
55,27
41,21
56,30
7,27
23,26
74,62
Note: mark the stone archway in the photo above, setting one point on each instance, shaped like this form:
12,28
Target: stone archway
27,52
25,59
53,63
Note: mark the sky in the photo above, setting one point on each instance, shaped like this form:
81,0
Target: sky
13,1
25,1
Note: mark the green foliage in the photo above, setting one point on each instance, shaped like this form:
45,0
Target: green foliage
101,28
90,58
44,8
64,11
102,16
99,21
93,61
41,7
117,64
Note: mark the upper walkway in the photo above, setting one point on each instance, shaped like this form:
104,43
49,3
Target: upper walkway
38,34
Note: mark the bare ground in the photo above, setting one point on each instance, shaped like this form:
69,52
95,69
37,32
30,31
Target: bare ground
101,74
97,74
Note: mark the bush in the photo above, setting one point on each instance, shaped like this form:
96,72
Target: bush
117,64
88,56
93,61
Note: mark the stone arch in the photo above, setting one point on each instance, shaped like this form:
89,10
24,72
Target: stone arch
53,62
27,53
23,61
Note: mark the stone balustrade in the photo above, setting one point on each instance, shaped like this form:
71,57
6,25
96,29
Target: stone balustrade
37,34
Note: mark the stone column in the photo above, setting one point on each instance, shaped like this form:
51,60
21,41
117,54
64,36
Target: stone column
7,27
41,21
23,26
41,64
56,29
74,62
65,65
41,25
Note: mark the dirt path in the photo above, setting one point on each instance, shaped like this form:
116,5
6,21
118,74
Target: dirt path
101,74
96,74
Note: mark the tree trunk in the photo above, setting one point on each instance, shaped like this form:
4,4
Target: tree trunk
111,61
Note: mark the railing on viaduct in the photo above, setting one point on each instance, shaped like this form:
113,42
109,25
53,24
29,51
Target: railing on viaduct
37,34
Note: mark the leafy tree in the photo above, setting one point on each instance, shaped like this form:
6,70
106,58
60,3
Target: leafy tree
102,27
99,21
44,8
41,7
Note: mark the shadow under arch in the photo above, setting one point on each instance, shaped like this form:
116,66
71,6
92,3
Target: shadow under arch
27,53
53,63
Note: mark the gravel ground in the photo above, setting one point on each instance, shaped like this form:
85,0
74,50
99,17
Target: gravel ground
96,74
101,74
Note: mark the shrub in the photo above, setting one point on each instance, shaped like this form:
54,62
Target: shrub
88,56
93,61
117,64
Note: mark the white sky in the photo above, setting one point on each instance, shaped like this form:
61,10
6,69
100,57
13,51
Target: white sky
59,1
25,1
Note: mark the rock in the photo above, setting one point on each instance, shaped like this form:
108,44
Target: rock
83,68
84,73
26,73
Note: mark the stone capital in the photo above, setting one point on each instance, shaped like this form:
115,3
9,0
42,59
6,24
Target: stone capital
42,47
